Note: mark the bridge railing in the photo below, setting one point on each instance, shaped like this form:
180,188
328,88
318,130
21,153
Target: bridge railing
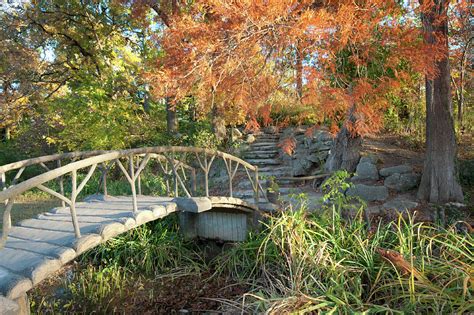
171,160
50,162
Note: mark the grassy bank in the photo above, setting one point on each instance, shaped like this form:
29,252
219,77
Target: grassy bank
299,262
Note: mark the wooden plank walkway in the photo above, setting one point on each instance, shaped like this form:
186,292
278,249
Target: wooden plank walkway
38,247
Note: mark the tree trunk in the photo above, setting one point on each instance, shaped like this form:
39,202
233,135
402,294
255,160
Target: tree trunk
171,118
345,151
7,133
218,124
299,72
461,82
146,103
439,181
460,106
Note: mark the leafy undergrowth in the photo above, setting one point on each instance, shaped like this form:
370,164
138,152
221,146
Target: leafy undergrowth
299,262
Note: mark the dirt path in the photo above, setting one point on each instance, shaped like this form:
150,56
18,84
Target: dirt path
392,151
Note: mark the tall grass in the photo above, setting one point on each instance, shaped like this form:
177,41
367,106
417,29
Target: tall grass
149,249
307,262
299,262
106,274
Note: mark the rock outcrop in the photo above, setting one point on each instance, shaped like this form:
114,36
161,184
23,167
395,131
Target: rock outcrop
402,182
310,152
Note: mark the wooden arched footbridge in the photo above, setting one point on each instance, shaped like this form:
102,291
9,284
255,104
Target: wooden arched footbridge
38,247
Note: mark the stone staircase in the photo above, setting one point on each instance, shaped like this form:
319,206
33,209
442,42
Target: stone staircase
264,152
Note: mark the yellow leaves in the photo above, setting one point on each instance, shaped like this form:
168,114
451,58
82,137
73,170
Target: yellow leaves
50,140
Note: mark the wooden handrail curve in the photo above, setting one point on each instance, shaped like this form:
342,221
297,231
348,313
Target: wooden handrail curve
9,194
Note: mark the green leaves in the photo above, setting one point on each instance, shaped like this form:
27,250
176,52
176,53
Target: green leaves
91,119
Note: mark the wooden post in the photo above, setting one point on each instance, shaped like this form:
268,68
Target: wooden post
72,206
228,165
139,177
206,176
132,184
3,182
206,182
104,180
176,188
61,185
7,222
193,179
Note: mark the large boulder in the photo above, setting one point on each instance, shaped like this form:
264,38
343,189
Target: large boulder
318,157
323,136
400,169
310,152
366,171
402,182
368,193
369,159
301,166
320,146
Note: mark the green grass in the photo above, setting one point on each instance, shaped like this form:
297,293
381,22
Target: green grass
302,262
105,274
28,206
299,262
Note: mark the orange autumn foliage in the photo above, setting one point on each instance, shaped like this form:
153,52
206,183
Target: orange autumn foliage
234,55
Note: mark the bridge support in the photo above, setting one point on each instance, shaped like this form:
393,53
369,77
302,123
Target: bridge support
214,219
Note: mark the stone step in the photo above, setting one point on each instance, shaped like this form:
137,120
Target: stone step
246,184
264,161
289,182
268,136
266,151
285,190
274,173
263,135
270,144
276,168
269,140
260,155
264,147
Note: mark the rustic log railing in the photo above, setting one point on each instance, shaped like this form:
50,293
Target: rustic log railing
167,158
49,162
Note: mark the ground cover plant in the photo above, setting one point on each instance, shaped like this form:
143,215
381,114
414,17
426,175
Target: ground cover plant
299,262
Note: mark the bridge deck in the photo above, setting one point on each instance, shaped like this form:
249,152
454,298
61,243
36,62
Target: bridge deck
38,247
